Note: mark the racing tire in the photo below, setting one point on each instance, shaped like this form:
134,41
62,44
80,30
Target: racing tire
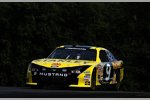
93,80
117,86
38,86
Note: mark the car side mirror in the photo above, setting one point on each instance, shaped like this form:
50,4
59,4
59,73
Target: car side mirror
117,64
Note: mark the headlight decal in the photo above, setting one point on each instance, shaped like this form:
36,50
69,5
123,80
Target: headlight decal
76,70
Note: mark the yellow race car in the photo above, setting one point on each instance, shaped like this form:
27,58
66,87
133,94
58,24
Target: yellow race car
76,66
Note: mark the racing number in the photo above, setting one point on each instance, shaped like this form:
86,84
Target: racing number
107,72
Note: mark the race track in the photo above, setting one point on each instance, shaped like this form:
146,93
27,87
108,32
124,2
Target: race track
26,92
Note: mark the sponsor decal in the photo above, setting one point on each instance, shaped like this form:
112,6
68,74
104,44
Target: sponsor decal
87,77
59,61
117,64
54,70
43,69
55,65
35,73
34,69
87,82
77,61
64,70
85,62
87,72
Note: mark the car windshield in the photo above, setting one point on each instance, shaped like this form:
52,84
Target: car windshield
74,53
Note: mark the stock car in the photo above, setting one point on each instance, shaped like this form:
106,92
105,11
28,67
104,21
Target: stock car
76,66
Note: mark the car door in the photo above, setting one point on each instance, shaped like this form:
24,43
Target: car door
106,72
117,66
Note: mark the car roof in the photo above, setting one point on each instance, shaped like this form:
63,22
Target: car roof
81,46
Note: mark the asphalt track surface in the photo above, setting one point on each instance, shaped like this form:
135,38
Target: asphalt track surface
26,92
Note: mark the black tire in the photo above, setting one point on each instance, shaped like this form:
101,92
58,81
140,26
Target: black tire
93,80
117,86
33,86
38,86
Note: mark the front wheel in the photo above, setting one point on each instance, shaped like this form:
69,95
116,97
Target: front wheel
38,86
93,80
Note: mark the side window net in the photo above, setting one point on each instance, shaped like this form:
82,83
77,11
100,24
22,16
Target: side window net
103,56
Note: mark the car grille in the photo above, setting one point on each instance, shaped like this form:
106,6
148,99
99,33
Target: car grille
55,75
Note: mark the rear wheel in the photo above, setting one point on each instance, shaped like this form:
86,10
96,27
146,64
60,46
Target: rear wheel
117,86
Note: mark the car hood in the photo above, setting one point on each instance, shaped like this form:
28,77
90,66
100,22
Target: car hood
61,63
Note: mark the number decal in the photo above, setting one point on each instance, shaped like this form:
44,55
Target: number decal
107,72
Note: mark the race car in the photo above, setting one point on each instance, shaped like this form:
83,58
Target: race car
76,66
